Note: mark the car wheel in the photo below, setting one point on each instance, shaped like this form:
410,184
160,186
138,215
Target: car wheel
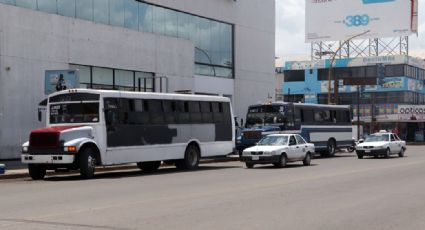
282,161
307,160
359,155
401,153
249,165
87,163
37,172
151,166
387,153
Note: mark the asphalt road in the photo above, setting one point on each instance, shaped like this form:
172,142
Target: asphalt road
336,193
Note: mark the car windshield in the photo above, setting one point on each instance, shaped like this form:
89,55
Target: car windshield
274,140
376,137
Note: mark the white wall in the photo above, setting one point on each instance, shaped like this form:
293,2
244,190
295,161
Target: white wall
32,42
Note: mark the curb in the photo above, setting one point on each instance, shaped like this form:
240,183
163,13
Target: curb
23,173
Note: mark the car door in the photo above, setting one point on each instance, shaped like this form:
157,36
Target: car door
395,145
301,147
292,153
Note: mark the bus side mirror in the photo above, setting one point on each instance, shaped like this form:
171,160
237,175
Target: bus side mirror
39,115
241,122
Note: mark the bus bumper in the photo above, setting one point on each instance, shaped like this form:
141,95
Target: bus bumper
47,159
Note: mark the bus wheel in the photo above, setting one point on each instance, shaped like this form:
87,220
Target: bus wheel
87,163
191,158
37,172
150,166
331,148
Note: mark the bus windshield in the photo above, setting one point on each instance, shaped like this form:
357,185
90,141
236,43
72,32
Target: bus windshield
74,113
266,114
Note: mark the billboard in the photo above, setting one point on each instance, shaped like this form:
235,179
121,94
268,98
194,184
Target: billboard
57,80
337,20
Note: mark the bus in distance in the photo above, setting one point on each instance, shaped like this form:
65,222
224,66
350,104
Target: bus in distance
88,128
328,127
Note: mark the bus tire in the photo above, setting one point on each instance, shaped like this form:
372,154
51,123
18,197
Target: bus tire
87,163
191,158
150,166
37,172
331,148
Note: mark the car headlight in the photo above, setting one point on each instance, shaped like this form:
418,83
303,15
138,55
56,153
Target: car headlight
24,149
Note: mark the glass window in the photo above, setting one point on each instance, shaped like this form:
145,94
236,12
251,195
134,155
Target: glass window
116,12
101,11
131,14
171,22
226,45
124,80
84,9
183,25
294,75
145,81
66,8
145,17
300,140
10,2
84,75
102,78
31,4
159,20
48,6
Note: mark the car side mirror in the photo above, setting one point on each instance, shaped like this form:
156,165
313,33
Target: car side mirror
361,141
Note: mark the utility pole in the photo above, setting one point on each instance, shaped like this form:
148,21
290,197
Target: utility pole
336,83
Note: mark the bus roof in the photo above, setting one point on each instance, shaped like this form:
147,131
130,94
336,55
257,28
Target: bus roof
148,95
305,105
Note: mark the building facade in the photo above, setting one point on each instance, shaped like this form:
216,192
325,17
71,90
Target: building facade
212,47
385,92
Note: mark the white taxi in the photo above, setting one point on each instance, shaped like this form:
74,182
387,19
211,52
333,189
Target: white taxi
381,144
278,149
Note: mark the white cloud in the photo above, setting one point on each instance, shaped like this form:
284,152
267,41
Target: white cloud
290,29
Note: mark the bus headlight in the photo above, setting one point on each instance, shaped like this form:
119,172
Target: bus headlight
24,149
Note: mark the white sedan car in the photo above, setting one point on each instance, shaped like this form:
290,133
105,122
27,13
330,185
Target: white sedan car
278,149
381,144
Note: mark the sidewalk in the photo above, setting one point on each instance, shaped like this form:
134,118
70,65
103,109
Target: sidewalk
15,169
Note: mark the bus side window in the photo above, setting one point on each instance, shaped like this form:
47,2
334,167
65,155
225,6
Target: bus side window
218,116
206,110
169,111
195,112
182,114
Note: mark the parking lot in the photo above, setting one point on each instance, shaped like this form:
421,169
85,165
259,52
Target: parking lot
333,193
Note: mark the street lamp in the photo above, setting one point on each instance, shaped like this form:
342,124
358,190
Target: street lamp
208,56
331,66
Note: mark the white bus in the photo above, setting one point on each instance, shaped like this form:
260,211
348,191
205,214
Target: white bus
88,128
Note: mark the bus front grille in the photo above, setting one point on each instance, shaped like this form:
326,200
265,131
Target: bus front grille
253,135
44,140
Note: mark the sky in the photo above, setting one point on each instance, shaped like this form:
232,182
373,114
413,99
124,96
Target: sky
290,44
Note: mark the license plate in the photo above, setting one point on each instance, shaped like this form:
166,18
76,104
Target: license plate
255,158
367,151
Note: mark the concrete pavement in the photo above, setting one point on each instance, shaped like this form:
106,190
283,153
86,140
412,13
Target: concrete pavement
334,193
